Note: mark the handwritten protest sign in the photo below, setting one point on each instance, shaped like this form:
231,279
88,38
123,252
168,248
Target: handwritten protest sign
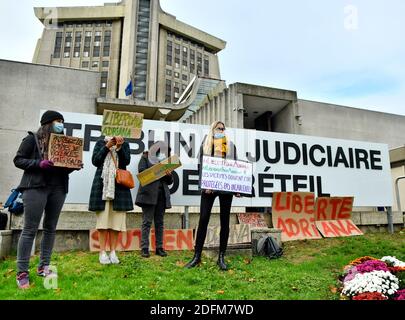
226,175
124,124
65,151
159,170
238,234
338,228
173,240
294,214
253,219
333,217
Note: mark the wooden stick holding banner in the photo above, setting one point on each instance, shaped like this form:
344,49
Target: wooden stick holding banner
159,170
227,175
66,151
124,124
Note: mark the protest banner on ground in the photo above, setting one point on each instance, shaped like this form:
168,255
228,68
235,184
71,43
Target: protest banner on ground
338,228
159,170
124,124
294,214
65,151
333,217
238,234
173,240
253,219
226,175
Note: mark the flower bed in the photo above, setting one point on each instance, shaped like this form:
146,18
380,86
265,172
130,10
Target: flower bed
368,278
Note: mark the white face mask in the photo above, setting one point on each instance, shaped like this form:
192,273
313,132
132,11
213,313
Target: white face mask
161,157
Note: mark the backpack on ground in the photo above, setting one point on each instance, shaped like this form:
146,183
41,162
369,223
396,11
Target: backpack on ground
267,246
14,203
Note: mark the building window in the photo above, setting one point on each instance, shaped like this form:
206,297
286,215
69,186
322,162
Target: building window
96,52
106,64
94,64
177,75
66,54
169,72
177,50
76,54
86,54
206,66
108,23
85,64
88,34
184,77
106,51
183,87
169,53
58,45
103,84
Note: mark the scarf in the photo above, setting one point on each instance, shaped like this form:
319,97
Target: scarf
220,148
108,175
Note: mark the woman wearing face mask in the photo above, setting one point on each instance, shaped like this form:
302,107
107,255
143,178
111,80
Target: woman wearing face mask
216,144
110,200
154,199
44,188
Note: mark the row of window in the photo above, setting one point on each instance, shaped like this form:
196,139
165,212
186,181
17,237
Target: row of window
185,58
185,41
88,43
88,24
95,64
174,89
103,84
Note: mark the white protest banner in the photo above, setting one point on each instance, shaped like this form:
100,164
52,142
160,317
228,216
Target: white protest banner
226,175
281,163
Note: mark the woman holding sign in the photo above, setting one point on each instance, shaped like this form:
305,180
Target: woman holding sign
216,145
109,199
44,187
154,198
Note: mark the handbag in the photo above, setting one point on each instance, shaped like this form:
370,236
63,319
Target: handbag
123,177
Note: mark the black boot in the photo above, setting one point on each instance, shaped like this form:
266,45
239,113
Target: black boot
221,261
195,261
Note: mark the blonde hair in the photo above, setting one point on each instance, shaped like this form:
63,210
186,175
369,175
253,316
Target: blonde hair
209,142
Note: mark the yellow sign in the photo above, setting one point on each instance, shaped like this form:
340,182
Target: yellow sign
159,170
124,124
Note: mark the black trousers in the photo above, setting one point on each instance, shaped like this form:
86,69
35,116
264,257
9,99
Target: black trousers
207,202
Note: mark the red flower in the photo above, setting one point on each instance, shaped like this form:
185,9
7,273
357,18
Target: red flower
370,296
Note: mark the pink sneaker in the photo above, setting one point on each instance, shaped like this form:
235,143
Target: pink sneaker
45,271
23,280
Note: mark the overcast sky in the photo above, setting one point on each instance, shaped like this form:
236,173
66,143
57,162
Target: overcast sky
339,51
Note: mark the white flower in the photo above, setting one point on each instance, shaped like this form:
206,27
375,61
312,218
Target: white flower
393,261
375,281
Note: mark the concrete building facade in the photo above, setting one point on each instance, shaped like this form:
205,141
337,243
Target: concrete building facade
130,38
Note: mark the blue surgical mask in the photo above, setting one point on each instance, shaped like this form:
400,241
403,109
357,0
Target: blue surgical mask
219,135
58,127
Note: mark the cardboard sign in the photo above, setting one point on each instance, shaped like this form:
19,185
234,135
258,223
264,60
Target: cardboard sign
159,170
238,234
294,214
253,219
334,208
226,175
173,240
65,151
124,124
338,228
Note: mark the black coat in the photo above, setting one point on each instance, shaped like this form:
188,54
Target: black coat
28,158
148,195
122,199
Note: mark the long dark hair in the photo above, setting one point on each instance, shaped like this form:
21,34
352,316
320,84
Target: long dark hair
44,133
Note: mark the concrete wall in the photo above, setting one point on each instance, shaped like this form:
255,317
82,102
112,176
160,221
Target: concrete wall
283,122
333,121
25,89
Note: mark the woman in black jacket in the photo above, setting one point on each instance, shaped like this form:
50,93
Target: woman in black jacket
154,199
44,187
108,199
218,145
